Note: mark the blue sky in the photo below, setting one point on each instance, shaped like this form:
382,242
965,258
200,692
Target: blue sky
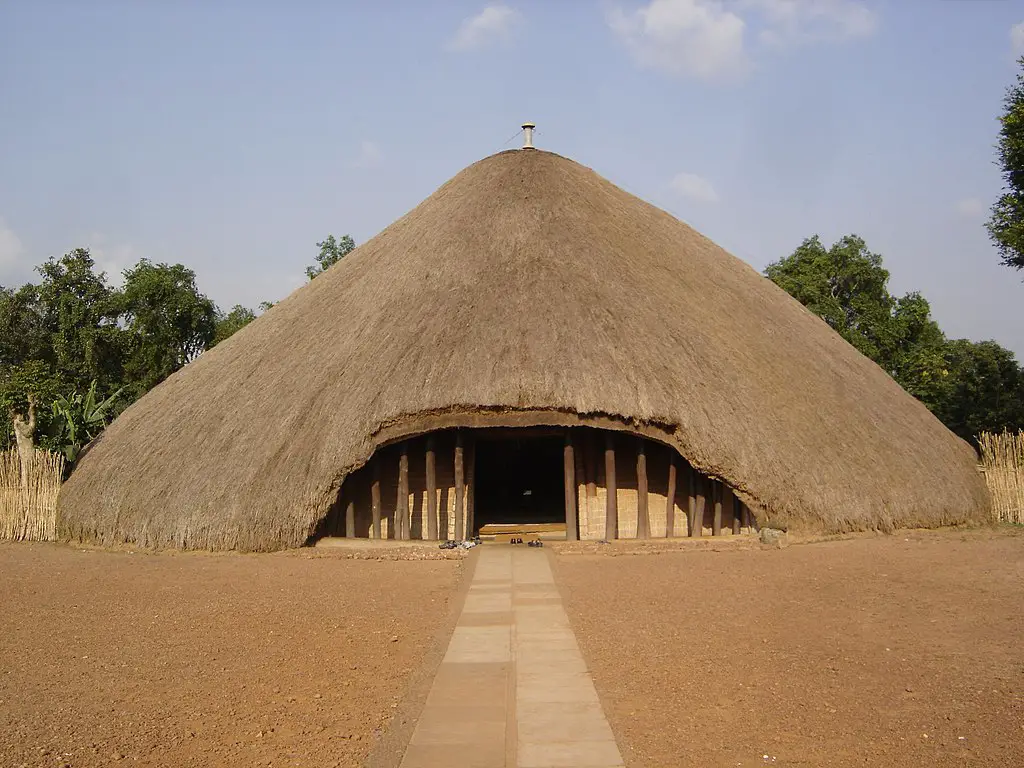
231,135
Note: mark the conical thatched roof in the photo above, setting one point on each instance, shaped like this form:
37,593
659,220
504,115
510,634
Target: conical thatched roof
527,288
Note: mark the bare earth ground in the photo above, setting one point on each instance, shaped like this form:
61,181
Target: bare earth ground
207,660
905,650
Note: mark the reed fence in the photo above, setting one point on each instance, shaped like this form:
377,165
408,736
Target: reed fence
28,503
1002,461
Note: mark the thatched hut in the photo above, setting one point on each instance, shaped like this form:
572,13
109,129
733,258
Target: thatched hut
529,343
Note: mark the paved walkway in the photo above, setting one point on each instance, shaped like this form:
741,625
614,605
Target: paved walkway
513,689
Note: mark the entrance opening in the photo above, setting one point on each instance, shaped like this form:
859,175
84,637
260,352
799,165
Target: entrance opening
519,480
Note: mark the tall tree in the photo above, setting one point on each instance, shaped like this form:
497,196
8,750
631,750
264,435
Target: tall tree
79,312
847,286
984,389
168,322
1006,224
331,252
231,322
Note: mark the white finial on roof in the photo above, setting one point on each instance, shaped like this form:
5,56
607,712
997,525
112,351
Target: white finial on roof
528,137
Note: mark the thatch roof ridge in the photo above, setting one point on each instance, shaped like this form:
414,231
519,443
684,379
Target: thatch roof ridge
528,285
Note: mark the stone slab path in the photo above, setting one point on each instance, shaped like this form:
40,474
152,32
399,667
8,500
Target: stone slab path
513,689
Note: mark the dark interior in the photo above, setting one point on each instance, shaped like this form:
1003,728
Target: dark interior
519,480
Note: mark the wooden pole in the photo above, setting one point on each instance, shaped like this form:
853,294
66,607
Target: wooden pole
590,458
375,497
700,502
471,488
611,515
716,522
643,520
402,522
569,466
431,472
583,501
670,505
734,507
460,489
350,520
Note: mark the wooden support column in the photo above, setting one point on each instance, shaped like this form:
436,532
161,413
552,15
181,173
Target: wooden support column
716,522
569,467
700,502
582,500
470,487
643,519
611,515
350,520
375,497
734,507
460,489
670,505
402,522
590,459
431,472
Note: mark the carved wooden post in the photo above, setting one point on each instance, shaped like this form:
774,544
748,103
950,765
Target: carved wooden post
470,487
350,520
700,502
460,489
716,521
569,466
643,520
670,505
402,522
734,508
611,517
582,500
431,472
375,497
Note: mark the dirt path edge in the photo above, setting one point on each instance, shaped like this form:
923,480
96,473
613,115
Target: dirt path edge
390,749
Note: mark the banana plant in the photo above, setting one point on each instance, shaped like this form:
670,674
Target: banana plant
80,419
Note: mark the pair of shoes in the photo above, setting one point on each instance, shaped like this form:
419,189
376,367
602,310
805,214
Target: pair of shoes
515,540
537,543
468,544
450,544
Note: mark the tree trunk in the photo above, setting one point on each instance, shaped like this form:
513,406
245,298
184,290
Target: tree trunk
24,431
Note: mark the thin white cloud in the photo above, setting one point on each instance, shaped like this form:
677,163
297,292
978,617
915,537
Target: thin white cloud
493,24
790,22
369,155
111,258
1017,39
698,38
708,39
11,253
971,208
694,188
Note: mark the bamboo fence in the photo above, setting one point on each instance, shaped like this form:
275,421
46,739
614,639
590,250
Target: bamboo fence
28,510
1002,461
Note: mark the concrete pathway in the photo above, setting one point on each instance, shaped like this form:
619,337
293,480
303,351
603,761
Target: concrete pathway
512,690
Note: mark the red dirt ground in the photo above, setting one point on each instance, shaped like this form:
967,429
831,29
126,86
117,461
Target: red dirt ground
298,659
903,650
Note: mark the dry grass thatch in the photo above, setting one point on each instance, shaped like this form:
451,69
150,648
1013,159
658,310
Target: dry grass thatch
28,507
531,288
1002,460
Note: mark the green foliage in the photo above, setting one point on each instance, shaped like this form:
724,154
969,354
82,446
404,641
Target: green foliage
847,286
34,379
984,389
970,387
167,320
331,252
78,313
1006,224
232,322
77,420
